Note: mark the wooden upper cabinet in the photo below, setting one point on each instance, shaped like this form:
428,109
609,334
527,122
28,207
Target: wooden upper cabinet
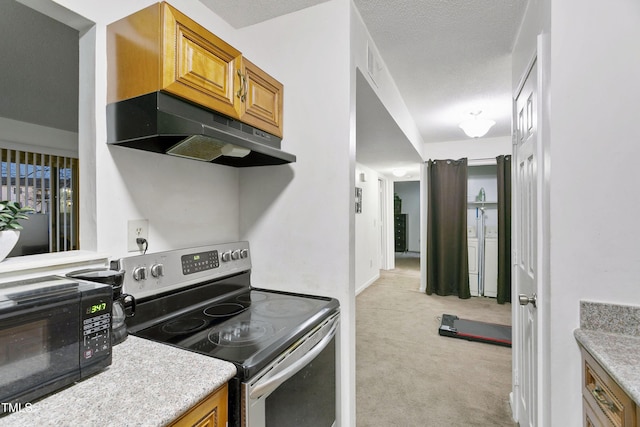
160,48
198,65
262,99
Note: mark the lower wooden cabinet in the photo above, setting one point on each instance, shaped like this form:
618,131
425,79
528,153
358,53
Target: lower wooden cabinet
604,403
210,412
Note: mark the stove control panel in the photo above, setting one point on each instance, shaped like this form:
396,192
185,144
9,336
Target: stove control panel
139,273
157,270
155,273
235,254
202,261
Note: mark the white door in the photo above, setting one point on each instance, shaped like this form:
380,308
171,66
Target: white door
525,240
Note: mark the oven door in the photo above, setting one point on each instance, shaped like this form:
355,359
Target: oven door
299,387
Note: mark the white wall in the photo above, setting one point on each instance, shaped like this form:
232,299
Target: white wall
308,202
481,148
186,203
386,90
409,192
302,222
18,135
382,83
367,229
38,80
594,143
39,111
298,218
594,251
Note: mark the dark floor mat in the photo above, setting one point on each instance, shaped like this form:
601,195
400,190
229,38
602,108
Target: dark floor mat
490,333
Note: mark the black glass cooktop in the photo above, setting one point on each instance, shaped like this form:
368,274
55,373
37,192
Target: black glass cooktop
248,328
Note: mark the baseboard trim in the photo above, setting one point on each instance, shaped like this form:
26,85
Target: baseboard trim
514,416
367,284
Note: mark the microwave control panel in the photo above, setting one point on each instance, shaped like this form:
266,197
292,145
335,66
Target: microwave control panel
96,327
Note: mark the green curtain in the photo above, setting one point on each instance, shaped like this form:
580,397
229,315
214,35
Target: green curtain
447,252
504,229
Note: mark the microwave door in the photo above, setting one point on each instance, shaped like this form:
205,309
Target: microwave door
38,349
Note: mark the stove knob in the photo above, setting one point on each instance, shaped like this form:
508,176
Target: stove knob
244,253
157,270
235,254
139,273
226,256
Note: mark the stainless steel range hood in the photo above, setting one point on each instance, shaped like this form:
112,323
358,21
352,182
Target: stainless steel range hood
161,123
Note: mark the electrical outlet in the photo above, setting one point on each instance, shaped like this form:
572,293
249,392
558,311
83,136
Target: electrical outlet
137,228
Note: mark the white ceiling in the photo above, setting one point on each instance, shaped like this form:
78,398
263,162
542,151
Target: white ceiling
447,58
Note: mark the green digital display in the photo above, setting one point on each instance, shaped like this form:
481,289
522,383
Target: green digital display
196,257
97,308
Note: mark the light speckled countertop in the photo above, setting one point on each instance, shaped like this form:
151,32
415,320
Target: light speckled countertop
148,384
611,334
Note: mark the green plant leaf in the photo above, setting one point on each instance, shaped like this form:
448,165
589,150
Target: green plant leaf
11,212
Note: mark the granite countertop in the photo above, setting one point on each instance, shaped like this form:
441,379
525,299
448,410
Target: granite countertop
148,384
611,334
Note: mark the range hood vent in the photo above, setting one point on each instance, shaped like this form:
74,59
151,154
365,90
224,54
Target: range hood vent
161,123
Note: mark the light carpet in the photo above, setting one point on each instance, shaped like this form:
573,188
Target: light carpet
408,375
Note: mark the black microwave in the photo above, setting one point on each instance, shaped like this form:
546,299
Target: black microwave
54,331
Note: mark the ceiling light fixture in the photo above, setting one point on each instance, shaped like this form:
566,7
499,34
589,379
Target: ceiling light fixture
476,127
399,173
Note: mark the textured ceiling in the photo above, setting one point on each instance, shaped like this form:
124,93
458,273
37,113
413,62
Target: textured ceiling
447,58
241,13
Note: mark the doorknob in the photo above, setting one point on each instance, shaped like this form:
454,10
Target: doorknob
524,300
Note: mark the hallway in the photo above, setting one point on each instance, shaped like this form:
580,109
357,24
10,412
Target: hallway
406,374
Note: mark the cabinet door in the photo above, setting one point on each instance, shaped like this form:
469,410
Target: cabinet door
491,267
211,412
472,246
199,66
606,404
590,418
262,98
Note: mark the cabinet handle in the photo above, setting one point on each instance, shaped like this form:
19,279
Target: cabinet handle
242,92
601,397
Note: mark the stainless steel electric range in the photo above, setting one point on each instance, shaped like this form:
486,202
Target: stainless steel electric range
283,344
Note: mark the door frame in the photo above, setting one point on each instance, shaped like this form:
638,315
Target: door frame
543,398
385,191
383,223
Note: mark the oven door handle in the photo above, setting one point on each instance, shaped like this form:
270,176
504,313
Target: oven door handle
274,382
